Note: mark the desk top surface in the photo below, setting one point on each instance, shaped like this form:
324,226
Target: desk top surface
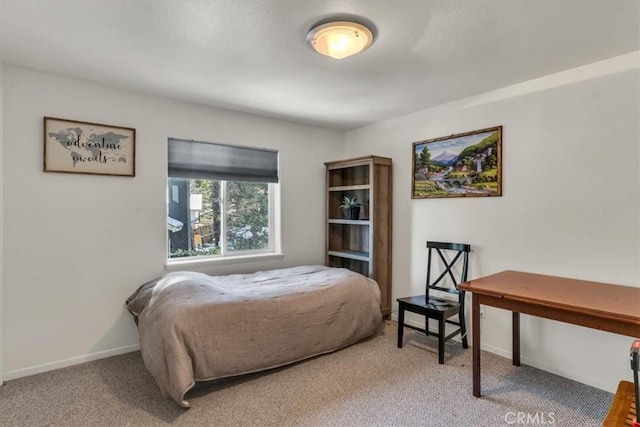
559,292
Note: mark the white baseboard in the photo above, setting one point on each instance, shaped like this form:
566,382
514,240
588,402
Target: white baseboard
592,381
507,353
24,372
581,378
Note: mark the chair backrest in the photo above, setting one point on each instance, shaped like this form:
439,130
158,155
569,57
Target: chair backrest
455,252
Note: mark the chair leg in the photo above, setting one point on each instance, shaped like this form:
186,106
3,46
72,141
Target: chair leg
441,331
463,331
400,324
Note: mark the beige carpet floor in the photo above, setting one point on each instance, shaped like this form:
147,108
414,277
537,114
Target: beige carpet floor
371,383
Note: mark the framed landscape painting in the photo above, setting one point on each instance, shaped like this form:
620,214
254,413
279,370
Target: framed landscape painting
90,148
463,165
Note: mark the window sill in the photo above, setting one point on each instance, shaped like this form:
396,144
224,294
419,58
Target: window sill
183,264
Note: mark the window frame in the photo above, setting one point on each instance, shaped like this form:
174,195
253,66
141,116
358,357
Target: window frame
273,251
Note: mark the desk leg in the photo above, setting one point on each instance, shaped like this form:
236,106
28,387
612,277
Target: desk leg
516,338
475,319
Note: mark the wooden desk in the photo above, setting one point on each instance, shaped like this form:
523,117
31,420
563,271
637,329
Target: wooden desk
595,305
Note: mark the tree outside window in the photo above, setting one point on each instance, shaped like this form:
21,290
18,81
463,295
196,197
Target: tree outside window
232,217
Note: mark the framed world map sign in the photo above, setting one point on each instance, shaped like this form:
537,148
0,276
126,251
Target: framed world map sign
89,148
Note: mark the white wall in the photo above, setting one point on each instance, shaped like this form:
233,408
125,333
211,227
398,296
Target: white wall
76,246
570,204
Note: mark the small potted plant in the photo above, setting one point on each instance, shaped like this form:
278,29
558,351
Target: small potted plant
351,207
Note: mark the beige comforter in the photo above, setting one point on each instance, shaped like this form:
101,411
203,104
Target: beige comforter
195,327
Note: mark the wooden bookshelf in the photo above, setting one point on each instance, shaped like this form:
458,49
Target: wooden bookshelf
361,244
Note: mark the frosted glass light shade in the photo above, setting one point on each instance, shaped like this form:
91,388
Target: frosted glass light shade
340,39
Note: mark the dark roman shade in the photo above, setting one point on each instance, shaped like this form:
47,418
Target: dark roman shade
204,160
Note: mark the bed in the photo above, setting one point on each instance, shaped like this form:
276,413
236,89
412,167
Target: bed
196,327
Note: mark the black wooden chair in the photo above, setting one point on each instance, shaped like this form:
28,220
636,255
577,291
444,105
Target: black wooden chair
440,309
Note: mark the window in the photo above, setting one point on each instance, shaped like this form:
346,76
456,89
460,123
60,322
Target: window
221,200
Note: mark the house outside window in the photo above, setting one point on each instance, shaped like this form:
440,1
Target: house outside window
221,200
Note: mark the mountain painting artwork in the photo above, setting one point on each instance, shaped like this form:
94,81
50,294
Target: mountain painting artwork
463,165
89,148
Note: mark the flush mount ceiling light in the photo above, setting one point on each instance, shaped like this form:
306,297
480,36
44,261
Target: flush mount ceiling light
340,39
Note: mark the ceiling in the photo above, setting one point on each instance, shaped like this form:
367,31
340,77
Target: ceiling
252,55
